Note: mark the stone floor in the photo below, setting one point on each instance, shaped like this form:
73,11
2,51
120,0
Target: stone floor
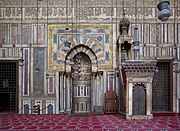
18,122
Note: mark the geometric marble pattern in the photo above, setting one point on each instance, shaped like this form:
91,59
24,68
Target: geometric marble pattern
97,37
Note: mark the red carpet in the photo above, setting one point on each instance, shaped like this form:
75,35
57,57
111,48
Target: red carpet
18,122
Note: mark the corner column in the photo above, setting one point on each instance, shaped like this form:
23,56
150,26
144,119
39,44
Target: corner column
68,111
149,96
57,91
93,91
61,93
99,87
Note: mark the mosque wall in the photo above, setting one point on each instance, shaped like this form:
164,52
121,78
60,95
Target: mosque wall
39,27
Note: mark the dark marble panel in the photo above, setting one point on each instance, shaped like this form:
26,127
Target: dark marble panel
38,72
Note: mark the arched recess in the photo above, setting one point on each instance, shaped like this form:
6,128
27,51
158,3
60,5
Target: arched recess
82,101
81,85
85,49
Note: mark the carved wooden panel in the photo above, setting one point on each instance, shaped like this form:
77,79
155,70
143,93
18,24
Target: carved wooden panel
111,102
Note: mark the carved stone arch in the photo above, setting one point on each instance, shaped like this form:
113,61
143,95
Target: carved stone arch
139,84
85,49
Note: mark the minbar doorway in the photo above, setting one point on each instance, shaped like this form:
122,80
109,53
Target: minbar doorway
8,86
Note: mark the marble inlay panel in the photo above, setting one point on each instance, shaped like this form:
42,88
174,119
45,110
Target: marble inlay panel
96,37
38,72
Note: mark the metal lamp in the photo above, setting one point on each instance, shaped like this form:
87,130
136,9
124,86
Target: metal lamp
66,47
70,62
175,61
136,45
21,60
76,71
164,13
47,75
